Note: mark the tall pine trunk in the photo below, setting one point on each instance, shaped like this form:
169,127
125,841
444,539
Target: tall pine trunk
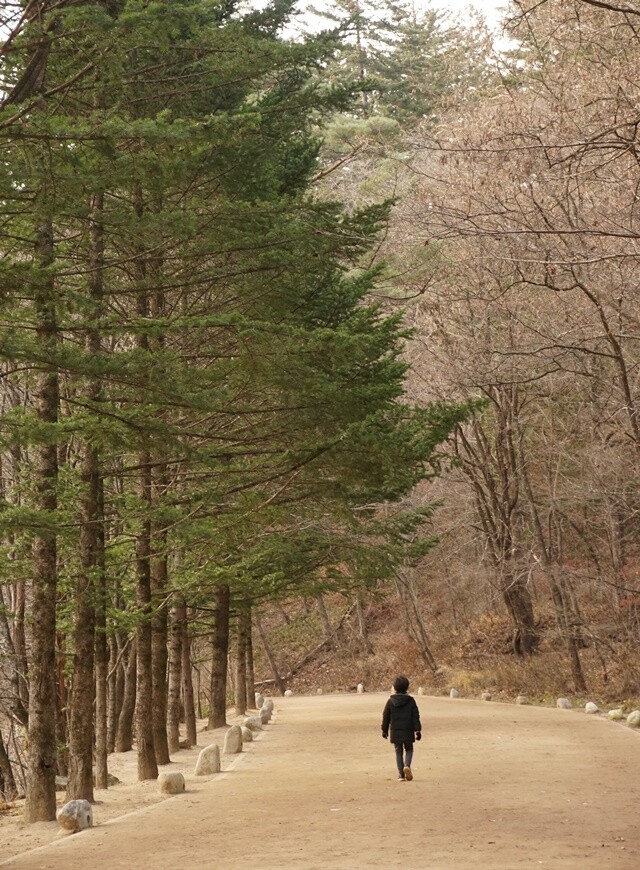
175,676
147,766
251,677
124,730
241,665
41,755
220,655
101,655
159,637
83,687
187,683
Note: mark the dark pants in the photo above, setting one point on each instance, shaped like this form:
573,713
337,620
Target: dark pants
403,759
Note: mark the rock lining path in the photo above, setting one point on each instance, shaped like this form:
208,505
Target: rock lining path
496,786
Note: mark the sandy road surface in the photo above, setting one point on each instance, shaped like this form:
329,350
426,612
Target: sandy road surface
496,786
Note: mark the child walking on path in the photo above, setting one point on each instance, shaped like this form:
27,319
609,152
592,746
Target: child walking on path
401,721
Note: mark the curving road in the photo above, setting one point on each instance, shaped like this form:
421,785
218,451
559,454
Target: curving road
496,786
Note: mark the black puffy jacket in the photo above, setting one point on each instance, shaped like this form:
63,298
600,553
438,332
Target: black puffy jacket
401,718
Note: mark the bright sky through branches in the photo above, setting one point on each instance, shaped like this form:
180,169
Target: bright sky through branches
492,10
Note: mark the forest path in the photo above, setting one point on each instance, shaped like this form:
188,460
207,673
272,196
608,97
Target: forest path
496,786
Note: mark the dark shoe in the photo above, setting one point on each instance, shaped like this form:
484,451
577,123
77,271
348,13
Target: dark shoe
407,774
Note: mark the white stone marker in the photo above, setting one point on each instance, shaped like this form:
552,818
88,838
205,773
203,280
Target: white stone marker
233,740
171,783
208,760
75,816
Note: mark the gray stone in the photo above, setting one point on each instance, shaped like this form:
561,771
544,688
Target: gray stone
233,740
633,719
615,715
360,688
75,816
247,734
208,760
259,700
486,696
171,783
590,707
454,693
111,780
563,704
319,692
522,699
265,716
255,723
267,703
422,690
288,693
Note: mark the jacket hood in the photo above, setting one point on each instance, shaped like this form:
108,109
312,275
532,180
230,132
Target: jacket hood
400,699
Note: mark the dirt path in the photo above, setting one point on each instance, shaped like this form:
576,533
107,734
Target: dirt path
496,786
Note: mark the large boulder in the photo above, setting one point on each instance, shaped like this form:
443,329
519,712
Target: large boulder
233,740
75,816
208,760
171,783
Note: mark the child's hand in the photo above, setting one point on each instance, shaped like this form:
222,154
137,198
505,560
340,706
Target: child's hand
418,735
384,736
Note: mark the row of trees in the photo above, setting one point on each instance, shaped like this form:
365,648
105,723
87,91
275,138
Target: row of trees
200,409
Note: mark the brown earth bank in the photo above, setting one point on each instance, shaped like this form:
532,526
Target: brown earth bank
496,786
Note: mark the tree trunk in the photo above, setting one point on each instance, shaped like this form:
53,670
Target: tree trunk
362,627
114,694
175,677
159,638
80,768
8,788
414,618
101,655
220,655
124,731
564,617
251,677
41,754
280,683
147,767
241,666
187,684
324,617
15,706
